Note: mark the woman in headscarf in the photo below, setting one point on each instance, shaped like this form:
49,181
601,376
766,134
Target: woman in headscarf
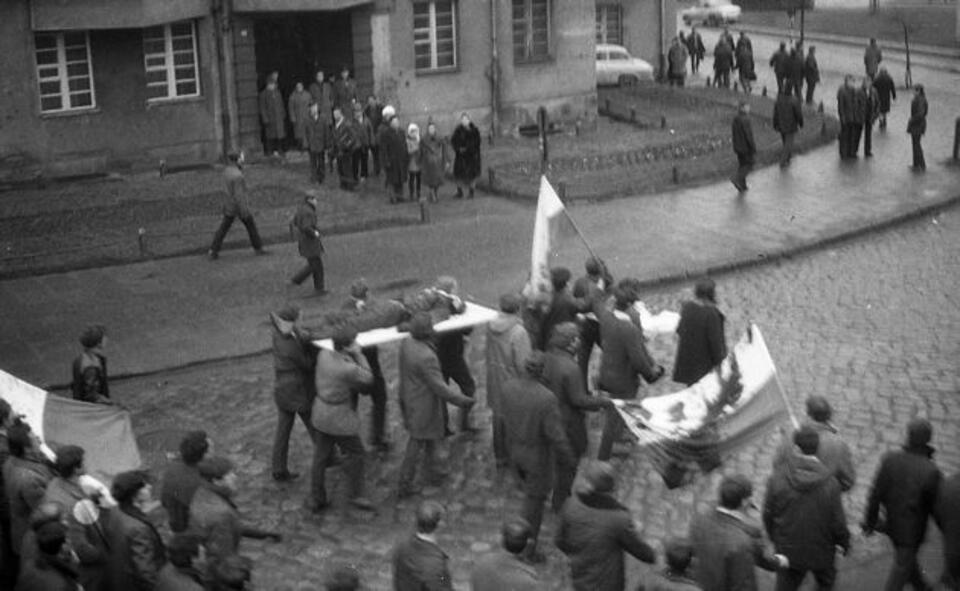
433,159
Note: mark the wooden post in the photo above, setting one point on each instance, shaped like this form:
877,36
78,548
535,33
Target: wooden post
142,241
544,148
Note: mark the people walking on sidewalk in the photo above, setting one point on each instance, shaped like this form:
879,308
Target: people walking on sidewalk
871,110
466,149
918,125
294,388
695,49
779,62
677,61
273,116
701,342
744,146
235,205
886,91
872,56
803,515
811,73
90,382
787,120
906,487
309,244
849,137
334,417
722,63
317,131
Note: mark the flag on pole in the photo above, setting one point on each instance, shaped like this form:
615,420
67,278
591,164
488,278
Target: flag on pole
104,432
552,223
695,428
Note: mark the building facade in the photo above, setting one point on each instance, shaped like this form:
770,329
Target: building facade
90,85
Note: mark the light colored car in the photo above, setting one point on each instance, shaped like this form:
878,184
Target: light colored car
711,13
615,65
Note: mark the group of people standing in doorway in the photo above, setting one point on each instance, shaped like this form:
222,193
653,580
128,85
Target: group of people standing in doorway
361,139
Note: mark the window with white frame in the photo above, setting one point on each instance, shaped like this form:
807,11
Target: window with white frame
434,35
608,24
64,74
170,59
531,30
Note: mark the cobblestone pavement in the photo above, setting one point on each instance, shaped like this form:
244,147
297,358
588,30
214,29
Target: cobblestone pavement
870,324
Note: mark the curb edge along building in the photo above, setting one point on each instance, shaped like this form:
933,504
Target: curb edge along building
90,85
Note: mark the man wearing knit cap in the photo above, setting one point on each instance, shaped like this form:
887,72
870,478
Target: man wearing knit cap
294,366
423,396
595,530
593,287
90,382
508,345
213,516
561,374
906,486
534,432
358,302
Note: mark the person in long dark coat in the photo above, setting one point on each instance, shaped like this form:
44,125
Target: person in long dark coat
886,91
345,142
702,344
811,73
696,49
181,479
317,131
847,111
779,61
393,156
746,67
90,382
322,92
309,244
137,552
871,111
433,161
373,111
917,125
787,121
947,516
795,71
466,148
722,63
508,345
744,146
906,486
418,561
273,116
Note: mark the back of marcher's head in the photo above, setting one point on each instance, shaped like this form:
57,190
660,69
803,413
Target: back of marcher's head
344,336
533,364
232,572
289,313
510,303
5,411
819,409
69,461
215,468
563,336
45,513
919,432
50,537
679,554
359,289
593,266
706,289
623,298
421,326
19,439
182,549
92,336
515,535
560,277
743,107
734,490
599,477
193,447
428,517
343,578
807,439
126,485
447,283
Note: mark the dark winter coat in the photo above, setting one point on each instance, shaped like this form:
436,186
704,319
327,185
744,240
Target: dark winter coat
563,308
433,159
886,90
344,95
420,565
722,57
294,367
88,541
534,433
625,357
677,58
319,136
811,70
728,547
594,532
177,486
872,57
423,393
561,373
746,65
871,101
794,67
309,243
272,114
393,154
466,149
702,343
136,550
787,114
744,42
25,483
779,61
374,113
323,95
847,105
832,451
742,131
803,513
345,137
695,45
948,519
906,486
235,199
918,116
501,571
48,573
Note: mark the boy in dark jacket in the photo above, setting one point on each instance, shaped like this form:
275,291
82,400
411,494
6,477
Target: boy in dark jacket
787,120
743,145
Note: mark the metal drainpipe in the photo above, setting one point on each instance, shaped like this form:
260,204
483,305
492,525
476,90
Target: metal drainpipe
223,11
662,41
494,73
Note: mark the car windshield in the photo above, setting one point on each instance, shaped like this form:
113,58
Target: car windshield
618,55
601,56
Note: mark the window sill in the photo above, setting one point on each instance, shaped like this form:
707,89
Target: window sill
177,100
70,113
534,61
437,71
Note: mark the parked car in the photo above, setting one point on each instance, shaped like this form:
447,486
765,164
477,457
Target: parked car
711,13
615,65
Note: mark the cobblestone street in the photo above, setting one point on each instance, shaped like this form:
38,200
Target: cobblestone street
870,324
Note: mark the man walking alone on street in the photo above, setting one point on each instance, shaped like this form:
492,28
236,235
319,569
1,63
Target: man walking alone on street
872,57
871,110
886,91
787,120
918,126
847,111
235,206
811,73
677,58
309,244
743,145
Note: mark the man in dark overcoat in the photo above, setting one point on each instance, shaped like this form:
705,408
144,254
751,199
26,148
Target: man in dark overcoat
137,552
505,569
536,439
722,63
418,561
562,375
787,121
847,112
917,126
345,142
273,116
358,302
779,62
871,111
744,146
906,486
25,478
795,71
811,73
886,91
596,530
309,244
235,205
702,344
465,142
393,154
318,143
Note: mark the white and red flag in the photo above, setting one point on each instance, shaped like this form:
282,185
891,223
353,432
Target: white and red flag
551,224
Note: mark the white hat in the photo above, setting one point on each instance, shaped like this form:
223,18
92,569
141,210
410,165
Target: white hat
389,112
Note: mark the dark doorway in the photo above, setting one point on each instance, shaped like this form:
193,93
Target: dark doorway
298,44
